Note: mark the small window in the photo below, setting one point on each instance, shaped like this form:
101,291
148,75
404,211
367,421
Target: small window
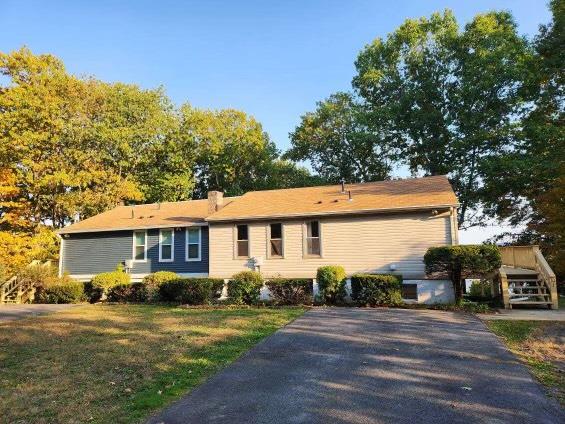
242,241
166,238
193,244
140,246
313,238
276,241
410,291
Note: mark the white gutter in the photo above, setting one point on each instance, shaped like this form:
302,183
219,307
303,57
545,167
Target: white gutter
146,227
61,251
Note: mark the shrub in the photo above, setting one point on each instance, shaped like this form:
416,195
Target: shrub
40,276
290,291
154,281
480,289
331,282
98,288
464,261
245,287
66,291
376,289
191,291
134,292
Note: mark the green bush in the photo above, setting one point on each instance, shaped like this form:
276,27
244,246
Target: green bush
191,291
480,289
376,289
134,292
245,287
331,282
66,291
154,281
290,291
98,288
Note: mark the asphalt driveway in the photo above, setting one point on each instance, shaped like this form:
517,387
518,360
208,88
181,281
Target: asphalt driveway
348,365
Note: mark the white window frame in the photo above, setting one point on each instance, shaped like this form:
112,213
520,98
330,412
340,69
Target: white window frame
269,255
134,245
305,253
236,244
172,230
199,258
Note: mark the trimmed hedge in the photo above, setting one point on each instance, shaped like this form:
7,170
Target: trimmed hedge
191,291
154,281
68,291
245,287
376,289
98,288
290,291
134,292
331,281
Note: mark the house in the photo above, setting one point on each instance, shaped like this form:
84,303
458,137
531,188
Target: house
379,227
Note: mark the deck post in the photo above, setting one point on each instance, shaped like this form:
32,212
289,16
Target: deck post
504,289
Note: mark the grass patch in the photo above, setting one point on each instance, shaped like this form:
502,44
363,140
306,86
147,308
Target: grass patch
539,344
119,363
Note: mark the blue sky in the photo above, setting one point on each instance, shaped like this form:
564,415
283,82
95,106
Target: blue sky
273,60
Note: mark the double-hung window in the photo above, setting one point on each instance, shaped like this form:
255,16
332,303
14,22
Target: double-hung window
166,242
140,246
313,239
276,244
193,244
242,241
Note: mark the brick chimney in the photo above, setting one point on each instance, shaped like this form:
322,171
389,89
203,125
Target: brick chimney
215,201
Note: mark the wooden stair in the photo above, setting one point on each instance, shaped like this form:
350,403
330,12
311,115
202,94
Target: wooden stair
16,291
526,278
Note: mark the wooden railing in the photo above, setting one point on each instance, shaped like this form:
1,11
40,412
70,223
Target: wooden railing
8,288
530,257
519,256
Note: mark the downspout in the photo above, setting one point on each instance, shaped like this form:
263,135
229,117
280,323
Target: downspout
61,251
454,227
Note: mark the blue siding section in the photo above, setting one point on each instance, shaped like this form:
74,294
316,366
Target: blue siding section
93,253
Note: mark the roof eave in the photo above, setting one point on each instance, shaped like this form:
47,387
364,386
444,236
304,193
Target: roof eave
144,227
332,213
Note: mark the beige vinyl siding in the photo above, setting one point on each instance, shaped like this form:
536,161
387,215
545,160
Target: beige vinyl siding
360,244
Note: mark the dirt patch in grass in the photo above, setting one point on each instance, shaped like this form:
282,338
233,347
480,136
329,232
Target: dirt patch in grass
119,363
541,345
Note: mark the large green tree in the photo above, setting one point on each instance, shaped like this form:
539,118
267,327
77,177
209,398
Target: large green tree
449,99
337,142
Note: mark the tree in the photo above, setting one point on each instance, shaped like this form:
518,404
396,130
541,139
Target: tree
47,143
464,261
231,150
335,140
450,100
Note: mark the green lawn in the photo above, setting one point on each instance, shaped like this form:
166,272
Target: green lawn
539,344
119,363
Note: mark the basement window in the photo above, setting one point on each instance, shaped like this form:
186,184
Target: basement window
276,240
410,291
242,241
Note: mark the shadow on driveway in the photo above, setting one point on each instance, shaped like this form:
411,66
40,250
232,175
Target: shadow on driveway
349,365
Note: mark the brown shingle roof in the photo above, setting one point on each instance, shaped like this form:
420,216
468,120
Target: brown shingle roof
325,200
392,195
154,215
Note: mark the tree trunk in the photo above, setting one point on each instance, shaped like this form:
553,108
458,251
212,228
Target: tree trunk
457,285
